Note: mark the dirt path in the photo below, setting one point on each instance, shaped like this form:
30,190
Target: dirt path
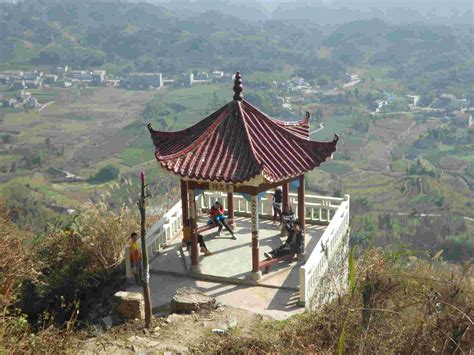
177,333
45,105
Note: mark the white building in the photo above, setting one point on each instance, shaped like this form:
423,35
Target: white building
81,75
32,75
415,99
217,74
32,102
381,105
50,78
98,76
62,70
200,78
144,80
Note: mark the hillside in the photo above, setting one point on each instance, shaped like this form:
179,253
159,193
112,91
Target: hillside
80,81
393,308
56,291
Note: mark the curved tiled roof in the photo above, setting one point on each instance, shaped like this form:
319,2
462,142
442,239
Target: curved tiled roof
238,142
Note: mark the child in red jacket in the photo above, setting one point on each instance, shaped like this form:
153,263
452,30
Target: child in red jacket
218,217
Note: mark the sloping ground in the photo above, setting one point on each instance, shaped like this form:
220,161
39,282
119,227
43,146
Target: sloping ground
397,306
181,333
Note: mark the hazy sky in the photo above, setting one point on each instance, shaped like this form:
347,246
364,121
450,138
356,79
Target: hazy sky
361,4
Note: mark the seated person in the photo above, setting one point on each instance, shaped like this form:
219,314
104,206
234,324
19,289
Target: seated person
288,218
293,245
201,242
217,216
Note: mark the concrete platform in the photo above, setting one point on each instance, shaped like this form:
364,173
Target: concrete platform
226,273
232,259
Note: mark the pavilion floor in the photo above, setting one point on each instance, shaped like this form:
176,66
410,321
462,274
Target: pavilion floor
226,273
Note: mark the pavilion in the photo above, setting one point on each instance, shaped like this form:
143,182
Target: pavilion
239,149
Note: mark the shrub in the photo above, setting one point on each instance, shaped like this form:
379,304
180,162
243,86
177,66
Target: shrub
19,264
105,174
62,281
394,308
81,265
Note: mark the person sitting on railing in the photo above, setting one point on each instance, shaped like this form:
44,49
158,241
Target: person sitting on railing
293,245
201,242
288,218
218,217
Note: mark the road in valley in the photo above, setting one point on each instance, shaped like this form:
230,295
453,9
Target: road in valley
321,127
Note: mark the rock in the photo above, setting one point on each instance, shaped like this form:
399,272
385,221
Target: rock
173,318
107,322
218,331
222,326
189,299
129,305
160,314
153,344
141,341
179,349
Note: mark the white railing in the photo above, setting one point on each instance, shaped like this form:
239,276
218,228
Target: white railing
316,266
318,209
162,231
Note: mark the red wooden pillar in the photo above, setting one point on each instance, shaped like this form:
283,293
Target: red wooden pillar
286,191
192,226
256,273
230,208
301,206
185,209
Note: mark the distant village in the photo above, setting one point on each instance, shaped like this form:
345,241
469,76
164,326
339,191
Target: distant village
292,94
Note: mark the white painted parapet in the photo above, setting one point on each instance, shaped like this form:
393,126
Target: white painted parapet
165,229
318,209
331,249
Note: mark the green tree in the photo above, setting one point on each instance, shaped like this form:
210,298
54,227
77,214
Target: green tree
105,174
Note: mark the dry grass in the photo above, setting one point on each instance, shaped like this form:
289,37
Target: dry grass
411,309
19,263
98,232
95,243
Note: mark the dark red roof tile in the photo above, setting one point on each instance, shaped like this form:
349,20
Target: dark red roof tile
239,142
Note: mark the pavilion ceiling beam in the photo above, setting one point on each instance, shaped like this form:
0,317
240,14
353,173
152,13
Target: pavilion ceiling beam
251,190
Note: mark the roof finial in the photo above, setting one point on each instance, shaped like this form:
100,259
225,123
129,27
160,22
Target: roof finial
238,87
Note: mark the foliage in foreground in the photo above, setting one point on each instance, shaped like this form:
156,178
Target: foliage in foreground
392,309
58,282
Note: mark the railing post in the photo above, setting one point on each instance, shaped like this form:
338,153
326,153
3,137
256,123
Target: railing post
348,199
230,208
302,302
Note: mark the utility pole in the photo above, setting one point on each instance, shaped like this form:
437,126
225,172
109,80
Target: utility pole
146,267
